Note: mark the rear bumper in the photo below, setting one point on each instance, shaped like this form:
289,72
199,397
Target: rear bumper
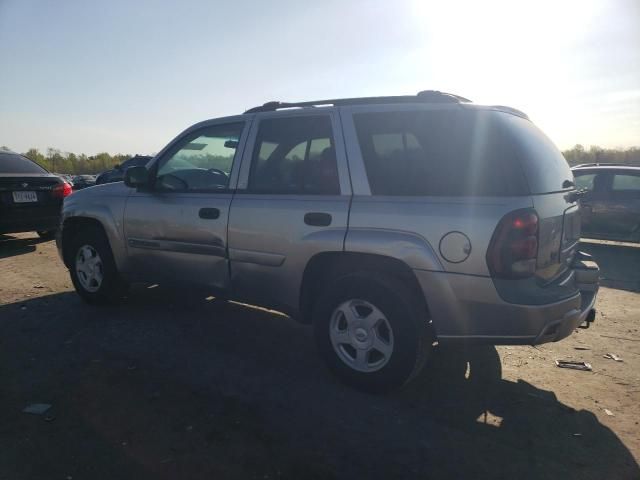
29,224
468,309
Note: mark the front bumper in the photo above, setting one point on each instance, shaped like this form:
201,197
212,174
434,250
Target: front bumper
468,309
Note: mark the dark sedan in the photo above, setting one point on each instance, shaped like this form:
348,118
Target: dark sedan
30,197
610,207
83,181
117,173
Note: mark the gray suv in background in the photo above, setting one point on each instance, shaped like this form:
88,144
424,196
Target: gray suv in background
388,223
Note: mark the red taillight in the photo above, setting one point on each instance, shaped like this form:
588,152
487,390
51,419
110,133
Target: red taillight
61,190
513,250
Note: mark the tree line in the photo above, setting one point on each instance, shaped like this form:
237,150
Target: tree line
76,164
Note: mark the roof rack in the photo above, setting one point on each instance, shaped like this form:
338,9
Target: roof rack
425,96
604,164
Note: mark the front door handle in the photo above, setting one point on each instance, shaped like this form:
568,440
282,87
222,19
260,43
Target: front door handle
209,213
317,219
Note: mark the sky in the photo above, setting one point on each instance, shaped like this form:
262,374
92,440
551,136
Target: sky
127,76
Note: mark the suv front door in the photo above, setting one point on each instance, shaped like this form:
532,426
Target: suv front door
177,229
292,203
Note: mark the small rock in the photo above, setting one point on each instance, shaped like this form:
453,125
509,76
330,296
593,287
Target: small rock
609,412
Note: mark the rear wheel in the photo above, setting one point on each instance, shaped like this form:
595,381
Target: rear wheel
372,333
46,234
92,268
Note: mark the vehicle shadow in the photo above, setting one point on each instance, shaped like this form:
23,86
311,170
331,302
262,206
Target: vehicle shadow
619,264
170,385
11,246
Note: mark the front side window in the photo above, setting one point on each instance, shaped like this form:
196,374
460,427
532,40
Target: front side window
585,181
294,155
202,161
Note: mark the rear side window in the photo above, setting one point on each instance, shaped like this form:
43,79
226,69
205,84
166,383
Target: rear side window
14,163
294,155
626,183
441,153
543,164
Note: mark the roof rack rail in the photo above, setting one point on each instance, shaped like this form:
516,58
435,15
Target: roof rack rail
604,164
426,96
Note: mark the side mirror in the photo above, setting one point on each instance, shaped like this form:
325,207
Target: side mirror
136,177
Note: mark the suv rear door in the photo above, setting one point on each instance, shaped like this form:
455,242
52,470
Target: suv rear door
292,202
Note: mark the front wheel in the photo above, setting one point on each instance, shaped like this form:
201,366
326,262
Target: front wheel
372,333
93,269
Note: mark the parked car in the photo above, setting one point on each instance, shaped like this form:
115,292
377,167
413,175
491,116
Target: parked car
388,223
117,173
610,206
66,177
83,181
30,197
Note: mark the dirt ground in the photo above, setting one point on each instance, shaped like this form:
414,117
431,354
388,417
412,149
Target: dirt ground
172,385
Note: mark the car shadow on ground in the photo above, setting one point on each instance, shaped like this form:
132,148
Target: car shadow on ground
619,263
11,246
172,385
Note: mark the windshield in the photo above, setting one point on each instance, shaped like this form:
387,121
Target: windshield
14,163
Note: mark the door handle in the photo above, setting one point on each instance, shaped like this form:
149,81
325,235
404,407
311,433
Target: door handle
317,219
209,213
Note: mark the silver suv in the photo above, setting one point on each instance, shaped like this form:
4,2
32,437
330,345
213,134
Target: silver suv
389,223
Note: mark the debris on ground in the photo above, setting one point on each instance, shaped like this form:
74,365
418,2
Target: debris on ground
581,348
36,408
574,365
609,412
613,356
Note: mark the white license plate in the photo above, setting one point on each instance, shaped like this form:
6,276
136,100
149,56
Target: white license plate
25,197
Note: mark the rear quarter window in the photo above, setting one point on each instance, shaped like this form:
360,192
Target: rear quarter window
438,153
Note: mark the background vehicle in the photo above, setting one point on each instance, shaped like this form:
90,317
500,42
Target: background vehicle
117,173
610,208
387,222
30,197
83,181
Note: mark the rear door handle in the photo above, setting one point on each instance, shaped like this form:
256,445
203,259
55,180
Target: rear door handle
209,213
317,219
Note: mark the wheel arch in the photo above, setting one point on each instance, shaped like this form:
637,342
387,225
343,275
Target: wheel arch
71,227
322,267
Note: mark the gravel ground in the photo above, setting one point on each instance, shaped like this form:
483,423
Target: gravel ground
173,385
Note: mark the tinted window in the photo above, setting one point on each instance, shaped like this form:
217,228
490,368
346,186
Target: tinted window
202,160
544,166
14,163
585,181
626,182
294,155
444,153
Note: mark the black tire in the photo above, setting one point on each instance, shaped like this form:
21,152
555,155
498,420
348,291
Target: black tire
406,314
112,288
47,234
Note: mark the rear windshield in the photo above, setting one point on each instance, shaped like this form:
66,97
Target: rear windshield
438,152
544,166
14,163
